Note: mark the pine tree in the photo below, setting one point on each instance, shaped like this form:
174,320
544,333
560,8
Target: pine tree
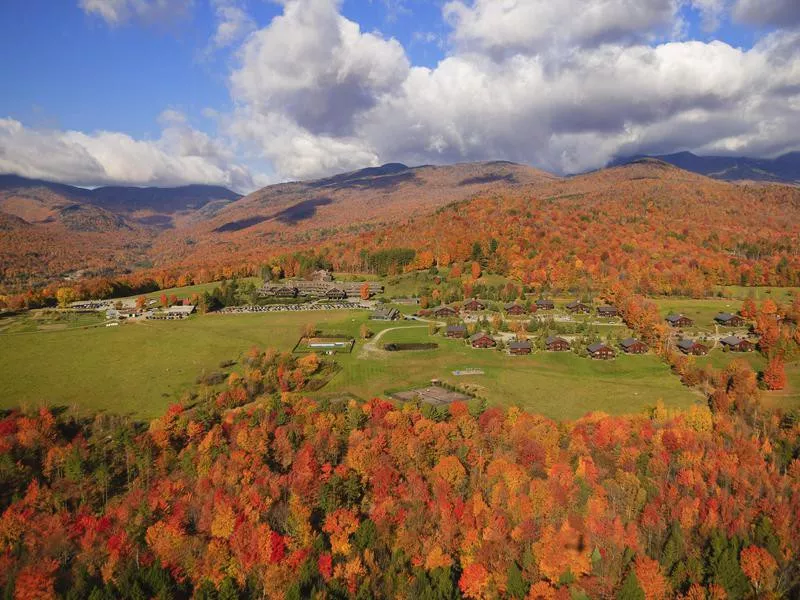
631,590
515,584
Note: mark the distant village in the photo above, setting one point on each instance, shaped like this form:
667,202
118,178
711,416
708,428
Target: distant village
538,318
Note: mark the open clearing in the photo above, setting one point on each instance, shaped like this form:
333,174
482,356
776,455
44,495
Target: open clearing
141,368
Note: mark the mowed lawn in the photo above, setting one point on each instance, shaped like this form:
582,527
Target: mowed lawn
702,311
142,368
561,386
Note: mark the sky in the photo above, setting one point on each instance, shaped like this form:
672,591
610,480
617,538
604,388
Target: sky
245,93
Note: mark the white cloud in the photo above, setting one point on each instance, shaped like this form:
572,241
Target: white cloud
532,26
180,156
316,95
116,12
233,23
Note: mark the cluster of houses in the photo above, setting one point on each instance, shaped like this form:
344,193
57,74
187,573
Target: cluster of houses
599,350
321,285
515,309
680,321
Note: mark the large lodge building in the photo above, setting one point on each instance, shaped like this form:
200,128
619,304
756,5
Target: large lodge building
334,290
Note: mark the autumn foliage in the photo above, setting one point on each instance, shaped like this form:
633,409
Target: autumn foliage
258,492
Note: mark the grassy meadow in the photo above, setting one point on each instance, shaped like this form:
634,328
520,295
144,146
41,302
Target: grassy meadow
141,368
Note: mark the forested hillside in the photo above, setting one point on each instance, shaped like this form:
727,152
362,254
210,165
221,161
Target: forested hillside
252,491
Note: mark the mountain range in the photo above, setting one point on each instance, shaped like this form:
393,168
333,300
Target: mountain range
52,230
783,169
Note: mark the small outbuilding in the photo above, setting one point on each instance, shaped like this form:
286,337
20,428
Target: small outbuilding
385,314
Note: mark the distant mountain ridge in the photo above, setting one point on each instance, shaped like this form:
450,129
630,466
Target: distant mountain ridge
119,199
783,169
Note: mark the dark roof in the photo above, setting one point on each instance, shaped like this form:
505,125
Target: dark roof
575,304
686,344
628,342
544,301
480,335
606,308
724,316
385,313
553,339
673,317
444,308
596,346
511,305
456,328
732,340
520,345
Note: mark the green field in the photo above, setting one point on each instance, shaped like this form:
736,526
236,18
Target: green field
779,294
141,368
702,311
562,386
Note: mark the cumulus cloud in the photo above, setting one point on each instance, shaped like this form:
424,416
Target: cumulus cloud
180,156
116,12
778,13
233,23
316,95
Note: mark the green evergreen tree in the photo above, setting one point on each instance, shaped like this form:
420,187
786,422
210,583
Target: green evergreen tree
516,586
722,566
631,590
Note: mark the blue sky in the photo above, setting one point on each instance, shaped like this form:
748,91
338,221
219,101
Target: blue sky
410,86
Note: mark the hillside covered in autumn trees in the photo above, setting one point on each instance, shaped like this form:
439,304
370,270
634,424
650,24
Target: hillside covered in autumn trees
252,491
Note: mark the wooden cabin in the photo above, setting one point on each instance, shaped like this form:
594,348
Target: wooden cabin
445,312
578,307
736,344
730,320
455,331
520,347
679,321
517,310
607,311
474,306
692,347
544,304
556,344
601,351
633,346
482,340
